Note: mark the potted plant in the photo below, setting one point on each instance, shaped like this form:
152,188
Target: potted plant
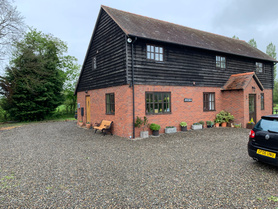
144,123
202,123
170,129
183,126
217,122
224,117
238,125
209,124
251,124
80,123
197,126
88,125
155,129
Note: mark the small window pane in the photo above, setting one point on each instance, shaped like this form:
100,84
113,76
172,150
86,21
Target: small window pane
152,48
155,53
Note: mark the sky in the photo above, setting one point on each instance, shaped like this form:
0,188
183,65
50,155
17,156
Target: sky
73,21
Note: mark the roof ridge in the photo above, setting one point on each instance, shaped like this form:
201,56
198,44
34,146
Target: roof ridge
103,6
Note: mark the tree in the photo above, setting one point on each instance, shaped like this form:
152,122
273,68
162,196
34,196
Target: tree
71,69
252,42
235,37
11,26
271,51
33,84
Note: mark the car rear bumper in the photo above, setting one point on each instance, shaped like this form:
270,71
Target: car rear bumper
252,151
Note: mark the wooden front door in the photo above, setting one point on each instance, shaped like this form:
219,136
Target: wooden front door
88,112
252,107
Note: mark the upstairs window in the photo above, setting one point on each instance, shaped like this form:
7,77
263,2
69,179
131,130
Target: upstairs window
209,101
94,63
154,53
158,102
259,67
220,62
110,104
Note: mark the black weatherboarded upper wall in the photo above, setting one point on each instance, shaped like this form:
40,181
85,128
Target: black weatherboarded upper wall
189,54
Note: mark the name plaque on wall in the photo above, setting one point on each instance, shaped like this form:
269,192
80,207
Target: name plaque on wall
187,100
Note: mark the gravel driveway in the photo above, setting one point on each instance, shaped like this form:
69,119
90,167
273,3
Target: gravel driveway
57,164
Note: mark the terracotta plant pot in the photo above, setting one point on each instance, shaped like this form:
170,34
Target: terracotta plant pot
80,123
217,125
88,125
224,124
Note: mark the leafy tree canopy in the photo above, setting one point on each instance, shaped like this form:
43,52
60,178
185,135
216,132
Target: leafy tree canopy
252,42
33,83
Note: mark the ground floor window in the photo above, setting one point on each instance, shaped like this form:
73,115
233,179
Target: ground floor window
209,101
110,104
158,102
262,101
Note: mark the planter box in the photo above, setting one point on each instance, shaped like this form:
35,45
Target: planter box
250,126
196,127
170,130
183,128
144,134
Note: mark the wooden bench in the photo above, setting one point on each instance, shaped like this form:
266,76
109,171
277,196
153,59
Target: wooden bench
104,126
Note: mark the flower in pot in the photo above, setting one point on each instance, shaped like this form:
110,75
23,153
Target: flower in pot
183,126
250,124
155,128
88,125
144,123
209,124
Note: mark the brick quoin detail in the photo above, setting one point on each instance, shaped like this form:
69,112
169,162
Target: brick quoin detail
236,102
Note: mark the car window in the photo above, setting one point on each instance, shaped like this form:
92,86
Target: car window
265,125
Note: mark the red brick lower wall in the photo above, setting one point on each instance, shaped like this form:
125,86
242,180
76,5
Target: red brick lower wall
234,102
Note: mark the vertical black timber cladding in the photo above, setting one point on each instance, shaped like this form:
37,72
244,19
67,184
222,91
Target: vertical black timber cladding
109,48
184,65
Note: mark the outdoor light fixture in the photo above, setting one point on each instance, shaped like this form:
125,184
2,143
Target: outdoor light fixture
129,40
86,91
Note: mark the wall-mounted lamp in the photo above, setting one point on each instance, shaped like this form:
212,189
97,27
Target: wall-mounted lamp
194,83
86,91
129,40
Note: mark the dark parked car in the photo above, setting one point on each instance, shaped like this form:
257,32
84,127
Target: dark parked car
263,140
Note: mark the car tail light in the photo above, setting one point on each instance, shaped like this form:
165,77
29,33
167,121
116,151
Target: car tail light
252,134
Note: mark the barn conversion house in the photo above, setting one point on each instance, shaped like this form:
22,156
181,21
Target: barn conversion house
140,66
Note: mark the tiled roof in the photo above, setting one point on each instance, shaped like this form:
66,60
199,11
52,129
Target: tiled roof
149,28
241,81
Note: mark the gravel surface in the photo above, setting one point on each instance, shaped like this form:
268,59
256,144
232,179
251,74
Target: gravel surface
59,165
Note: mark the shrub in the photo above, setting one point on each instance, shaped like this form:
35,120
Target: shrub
202,122
183,124
154,127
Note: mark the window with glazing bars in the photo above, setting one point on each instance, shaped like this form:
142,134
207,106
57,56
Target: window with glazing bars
110,103
209,101
220,62
154,53
158,102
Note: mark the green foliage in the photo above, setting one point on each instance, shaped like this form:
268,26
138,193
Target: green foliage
154,127
33,83
183,124
197,124
139,122
252,42
202,122
209,123
223,116
235,37
170,126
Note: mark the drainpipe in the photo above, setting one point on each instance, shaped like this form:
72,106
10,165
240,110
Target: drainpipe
132,41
